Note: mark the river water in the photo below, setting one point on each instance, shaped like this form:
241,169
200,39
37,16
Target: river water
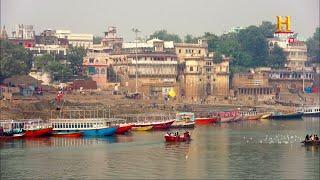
254,149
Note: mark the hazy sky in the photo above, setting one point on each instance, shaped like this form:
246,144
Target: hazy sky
177,16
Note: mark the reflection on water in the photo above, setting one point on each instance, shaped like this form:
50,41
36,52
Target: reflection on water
254,149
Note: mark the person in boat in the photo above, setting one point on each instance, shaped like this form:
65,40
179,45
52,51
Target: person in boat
307,138
316,137
312,137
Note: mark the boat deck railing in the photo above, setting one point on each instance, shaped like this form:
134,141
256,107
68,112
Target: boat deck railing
147,118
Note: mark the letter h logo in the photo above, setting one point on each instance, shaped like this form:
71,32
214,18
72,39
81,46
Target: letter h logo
283,22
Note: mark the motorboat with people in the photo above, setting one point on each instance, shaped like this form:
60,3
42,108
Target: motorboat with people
176,137
312,140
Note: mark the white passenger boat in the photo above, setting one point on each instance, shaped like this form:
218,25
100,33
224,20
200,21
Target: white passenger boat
87,126
309,110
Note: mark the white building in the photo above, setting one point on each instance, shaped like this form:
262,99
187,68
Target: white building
296,51
76,39
22,31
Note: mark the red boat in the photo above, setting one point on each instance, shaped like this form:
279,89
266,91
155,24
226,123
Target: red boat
123,128
158,125
177,138
162,125
67,134
38,132
209,120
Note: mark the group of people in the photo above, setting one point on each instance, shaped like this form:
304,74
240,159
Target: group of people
312,137
186,134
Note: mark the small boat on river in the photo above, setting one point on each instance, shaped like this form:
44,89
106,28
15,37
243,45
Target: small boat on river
251,115
27,128
282,116
177,138
141,128
311,143
156,125
206,120
123,128
265,116
184,120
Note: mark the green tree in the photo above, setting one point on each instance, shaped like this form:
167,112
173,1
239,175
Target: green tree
190,39
313,45
268,28
254,42
277,57
14,60
164,35
58,70
213,41
41,62
75,57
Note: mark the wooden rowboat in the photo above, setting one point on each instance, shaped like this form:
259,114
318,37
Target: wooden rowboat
265,116
141,128
253,117
311,143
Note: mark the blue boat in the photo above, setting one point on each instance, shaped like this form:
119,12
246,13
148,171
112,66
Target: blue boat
87,126
107,131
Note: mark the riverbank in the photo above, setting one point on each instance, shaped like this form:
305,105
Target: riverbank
41,106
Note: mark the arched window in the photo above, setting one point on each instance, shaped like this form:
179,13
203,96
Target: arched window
97,70
103,71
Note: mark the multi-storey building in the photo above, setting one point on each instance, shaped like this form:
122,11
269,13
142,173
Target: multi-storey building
96,65
80,40
252,85
23,35
295,50
22,31
111,42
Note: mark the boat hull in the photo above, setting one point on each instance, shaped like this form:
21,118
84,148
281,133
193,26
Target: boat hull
123,128
286,116
228,119
311,143
141,128
265,116
108,131
205,121
169,138
183,125
69,135
14,136
312,114
253,118
162,126
38,132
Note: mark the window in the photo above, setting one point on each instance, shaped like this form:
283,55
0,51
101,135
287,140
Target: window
91,60
191,68
97,70
199,51
103,71
179,50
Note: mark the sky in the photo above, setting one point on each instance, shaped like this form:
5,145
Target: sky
176,16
